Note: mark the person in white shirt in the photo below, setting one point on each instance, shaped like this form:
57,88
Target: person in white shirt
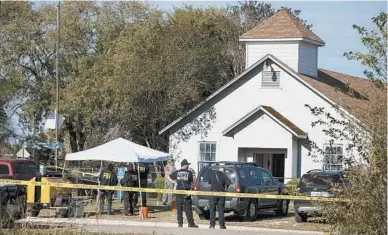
168,182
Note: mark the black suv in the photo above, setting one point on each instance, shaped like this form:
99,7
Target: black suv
245,178
317,183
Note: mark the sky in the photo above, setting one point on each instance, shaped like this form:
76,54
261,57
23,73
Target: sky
332,21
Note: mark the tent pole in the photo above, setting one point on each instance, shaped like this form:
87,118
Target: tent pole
63,170
98,191
138,177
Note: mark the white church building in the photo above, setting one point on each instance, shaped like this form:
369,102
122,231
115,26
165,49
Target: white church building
261,115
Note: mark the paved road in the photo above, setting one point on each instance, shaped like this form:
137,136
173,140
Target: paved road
154,228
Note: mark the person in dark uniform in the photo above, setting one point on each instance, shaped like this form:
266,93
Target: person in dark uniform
107,178
143,170
129,180
219,183
184,181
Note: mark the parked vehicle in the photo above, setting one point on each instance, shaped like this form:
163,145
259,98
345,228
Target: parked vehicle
13,197
18,169
245,178
316,183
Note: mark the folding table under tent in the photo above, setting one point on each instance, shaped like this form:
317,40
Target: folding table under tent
119,150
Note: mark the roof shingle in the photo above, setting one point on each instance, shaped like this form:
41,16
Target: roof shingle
352,93
282,25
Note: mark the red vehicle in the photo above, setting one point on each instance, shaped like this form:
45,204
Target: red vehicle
18,169
13,197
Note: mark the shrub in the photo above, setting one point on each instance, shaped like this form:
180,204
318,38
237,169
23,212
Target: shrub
159,183
291,186
293,182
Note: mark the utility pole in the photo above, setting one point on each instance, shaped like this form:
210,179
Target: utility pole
57,77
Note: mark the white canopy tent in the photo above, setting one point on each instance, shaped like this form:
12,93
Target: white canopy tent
119,150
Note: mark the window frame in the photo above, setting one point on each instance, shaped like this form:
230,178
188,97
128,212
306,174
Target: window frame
205,152
201,161
330,164
263,171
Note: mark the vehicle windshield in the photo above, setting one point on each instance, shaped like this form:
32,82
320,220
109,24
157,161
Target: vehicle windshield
205,175
319,180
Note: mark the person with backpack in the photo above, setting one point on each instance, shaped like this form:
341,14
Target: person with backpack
219,183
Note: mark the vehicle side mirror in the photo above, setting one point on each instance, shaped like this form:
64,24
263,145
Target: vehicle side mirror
275,181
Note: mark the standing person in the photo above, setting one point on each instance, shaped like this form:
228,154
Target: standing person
219,183
184,180
143,172
168,182
129,180
107,178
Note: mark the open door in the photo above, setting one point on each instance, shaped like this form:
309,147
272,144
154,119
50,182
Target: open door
278,166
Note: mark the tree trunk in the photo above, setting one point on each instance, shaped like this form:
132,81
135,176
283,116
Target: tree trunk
156,167
72,135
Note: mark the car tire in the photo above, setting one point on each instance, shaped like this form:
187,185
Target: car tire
205,215
300,218
282,209
252,211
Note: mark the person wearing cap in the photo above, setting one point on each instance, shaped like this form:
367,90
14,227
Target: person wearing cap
168,182
129,180
184,181
107,178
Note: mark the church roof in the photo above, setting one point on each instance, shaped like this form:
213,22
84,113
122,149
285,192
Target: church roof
282,25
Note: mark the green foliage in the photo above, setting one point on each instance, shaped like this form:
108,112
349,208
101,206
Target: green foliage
159,182
365,144
293,182
127,69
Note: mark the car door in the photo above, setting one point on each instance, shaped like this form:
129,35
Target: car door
255,182
271,187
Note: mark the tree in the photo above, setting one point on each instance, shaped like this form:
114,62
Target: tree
366,146
127,69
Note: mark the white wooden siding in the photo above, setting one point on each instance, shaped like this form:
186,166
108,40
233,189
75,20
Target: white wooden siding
289,101
284,51
308,59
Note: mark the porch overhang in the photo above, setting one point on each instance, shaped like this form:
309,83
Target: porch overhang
273,114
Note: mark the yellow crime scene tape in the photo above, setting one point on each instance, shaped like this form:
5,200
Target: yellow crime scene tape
173,191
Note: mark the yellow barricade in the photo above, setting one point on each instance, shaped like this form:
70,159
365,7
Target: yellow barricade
172,191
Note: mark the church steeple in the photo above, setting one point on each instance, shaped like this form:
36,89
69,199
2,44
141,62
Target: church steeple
285,37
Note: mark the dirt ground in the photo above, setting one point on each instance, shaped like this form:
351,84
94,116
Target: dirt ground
159,213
